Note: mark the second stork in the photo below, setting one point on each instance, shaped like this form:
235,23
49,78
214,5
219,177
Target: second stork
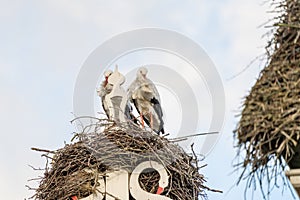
145,97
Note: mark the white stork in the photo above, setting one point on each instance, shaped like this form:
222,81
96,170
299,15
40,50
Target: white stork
143,93
104,90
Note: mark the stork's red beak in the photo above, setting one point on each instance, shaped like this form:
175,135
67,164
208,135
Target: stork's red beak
74,198
160,190
106,80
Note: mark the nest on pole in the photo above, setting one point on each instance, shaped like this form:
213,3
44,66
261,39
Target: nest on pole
104,147
268,132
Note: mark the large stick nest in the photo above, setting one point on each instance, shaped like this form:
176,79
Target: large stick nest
269,127
106,147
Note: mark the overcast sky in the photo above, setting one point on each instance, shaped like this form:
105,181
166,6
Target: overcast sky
44,44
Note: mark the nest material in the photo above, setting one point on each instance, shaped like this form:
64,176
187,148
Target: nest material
108,147
270,121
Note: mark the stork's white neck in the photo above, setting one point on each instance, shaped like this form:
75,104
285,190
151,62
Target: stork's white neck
141,77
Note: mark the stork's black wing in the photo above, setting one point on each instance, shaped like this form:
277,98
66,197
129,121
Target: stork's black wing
158,110
129,115
135,104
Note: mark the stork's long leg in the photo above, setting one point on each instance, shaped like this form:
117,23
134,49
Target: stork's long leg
142,119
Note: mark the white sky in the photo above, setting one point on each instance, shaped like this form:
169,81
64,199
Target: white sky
45,42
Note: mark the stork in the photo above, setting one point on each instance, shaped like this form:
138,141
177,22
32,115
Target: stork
145,97
105,89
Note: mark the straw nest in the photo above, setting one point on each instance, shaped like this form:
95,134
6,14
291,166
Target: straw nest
105,147
269,127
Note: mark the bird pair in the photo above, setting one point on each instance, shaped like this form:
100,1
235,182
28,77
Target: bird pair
145,97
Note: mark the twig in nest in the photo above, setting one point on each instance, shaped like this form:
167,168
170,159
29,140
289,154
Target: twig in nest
42,150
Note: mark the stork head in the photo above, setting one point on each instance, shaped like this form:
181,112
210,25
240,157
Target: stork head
106,74
142,72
